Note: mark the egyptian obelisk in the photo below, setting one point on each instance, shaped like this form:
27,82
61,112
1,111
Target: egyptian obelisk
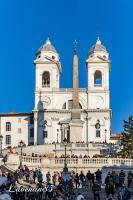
76,124
75,94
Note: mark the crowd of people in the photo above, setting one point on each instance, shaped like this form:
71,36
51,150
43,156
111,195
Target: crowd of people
29,184
114,183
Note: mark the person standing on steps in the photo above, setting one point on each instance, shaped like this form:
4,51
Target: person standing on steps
89,178
96,190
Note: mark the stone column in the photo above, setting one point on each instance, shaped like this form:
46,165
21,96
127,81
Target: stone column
61,128
35,127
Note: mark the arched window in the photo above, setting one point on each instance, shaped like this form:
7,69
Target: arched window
98,79
69,105
46,79
8,126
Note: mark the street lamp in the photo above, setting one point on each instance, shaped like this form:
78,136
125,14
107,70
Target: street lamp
21,144
45,123
65,173
105,135
65,163
1,138
57,135
44,128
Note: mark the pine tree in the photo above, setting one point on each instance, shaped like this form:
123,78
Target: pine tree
127,139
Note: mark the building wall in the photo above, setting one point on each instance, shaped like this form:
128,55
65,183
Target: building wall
57,98
50,101
104,118
94,99
20,129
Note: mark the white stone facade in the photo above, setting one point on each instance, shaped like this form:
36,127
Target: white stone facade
16,127
53,105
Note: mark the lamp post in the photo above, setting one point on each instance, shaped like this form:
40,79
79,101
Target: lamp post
105,135
44,128
57,135
1,138
65,173
65,163
45,123
21,144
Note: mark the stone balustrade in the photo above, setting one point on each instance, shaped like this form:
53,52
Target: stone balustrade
76,162
95,162
31,160
85,164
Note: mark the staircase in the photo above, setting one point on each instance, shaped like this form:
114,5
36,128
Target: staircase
5,169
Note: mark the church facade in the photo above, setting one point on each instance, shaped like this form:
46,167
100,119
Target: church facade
76,114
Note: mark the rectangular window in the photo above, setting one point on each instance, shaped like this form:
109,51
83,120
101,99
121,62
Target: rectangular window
19,130
19,120
45,134
31,120
8,139
97,133
32,132
8,126
70,104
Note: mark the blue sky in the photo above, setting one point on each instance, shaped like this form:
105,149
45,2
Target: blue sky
24,27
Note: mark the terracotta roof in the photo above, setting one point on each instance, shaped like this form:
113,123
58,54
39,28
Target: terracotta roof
97,47
47,47
116,136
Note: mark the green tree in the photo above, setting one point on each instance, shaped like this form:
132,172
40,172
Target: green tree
127,139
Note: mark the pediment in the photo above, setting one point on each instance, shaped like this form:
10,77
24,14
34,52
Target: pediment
65,121
97,59
44,59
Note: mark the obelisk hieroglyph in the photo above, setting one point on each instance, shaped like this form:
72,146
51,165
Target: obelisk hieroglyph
76,124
